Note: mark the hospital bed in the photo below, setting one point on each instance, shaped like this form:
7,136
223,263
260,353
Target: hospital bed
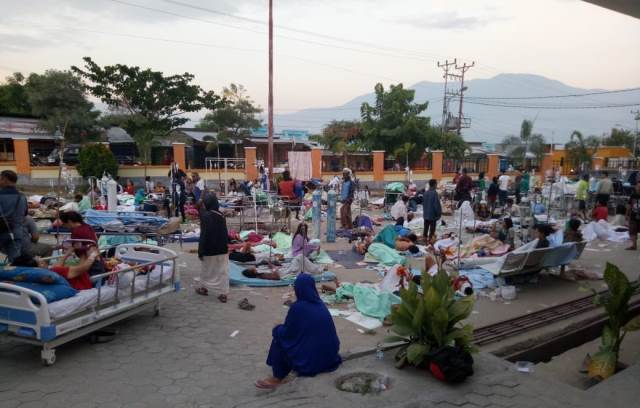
26,316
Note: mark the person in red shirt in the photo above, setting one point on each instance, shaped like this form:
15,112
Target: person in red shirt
601,212
286,188
82,231
77,275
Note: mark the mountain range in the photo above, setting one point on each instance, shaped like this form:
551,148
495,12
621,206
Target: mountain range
492,123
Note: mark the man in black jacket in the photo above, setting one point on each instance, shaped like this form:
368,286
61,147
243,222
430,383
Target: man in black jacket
13,207
212,250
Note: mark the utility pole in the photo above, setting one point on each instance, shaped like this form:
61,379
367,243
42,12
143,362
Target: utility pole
463,69
635,137
445,103
270,103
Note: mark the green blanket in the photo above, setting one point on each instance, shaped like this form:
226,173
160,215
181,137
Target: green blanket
385,255
387,236
282,240
369,301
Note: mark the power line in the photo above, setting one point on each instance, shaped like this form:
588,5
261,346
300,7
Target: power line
556,96
625,105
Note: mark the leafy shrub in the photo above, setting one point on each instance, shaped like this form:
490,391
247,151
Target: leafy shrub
95,159
430,320
616,303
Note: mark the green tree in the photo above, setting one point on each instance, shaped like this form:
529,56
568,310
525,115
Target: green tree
341,137
13,96
235,119
154,103
619,137
451,143
96,159
525,146
394,120
580,149
405,150
58,98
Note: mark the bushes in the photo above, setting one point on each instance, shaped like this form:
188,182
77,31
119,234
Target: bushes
95,159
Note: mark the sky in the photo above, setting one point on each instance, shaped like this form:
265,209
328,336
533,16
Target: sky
326,52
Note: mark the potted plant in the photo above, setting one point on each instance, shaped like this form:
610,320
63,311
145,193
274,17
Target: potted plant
604,363
429,321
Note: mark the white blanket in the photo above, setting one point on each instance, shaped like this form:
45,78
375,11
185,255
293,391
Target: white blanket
604,231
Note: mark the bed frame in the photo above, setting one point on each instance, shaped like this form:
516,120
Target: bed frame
30,322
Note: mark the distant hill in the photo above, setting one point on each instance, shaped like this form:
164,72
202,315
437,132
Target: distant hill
489,123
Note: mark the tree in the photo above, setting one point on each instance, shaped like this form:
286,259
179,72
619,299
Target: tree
153,102
13,96
342,137
394,120
235,119
525,146
451,143
58,98
580,150
620,137
96,159
405,150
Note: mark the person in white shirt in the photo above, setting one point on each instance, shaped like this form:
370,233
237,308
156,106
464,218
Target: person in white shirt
399,209
503,187
334,184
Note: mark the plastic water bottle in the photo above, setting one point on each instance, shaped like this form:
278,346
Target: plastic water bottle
379,352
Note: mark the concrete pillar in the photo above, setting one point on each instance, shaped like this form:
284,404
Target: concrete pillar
316,162
493,165
437,157
378,165
250,169
22,156
179,155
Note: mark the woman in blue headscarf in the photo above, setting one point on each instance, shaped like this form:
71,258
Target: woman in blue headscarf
307,342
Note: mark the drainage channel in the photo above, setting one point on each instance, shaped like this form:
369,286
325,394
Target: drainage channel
507,328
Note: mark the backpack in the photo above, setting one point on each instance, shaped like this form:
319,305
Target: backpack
450,364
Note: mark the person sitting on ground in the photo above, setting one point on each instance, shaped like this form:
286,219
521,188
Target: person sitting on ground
399,209
572,233
506,233
72,205
510,210
307,342
30,238
77,275
601,212
483,213
619,220
542,233
300,242
130,188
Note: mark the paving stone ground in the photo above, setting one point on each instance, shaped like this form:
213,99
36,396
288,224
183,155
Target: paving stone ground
186,358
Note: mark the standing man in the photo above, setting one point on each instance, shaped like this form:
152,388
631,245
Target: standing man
518,185
13,207
503,188
581,195
346,197
604,189
463,187
432,210
212,250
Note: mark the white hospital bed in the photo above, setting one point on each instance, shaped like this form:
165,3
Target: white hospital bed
51,324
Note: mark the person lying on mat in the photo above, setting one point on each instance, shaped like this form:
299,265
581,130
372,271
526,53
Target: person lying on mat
389,236
77,275
248,254
307,342
297,265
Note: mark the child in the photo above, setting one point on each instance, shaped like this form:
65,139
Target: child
507,234
542,232
601,212
572,233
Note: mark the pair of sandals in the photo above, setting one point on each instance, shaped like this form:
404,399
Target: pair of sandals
205,292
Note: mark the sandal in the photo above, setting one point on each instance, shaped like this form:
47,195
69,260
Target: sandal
245,305
266,385
202,291
222,298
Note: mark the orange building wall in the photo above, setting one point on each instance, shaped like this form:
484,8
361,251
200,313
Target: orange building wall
250,163
378,165
179,155
21,154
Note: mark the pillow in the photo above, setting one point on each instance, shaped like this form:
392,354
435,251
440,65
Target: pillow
25,274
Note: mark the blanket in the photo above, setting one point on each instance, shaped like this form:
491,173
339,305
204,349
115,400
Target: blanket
604,231
51,285
385,255
368,300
